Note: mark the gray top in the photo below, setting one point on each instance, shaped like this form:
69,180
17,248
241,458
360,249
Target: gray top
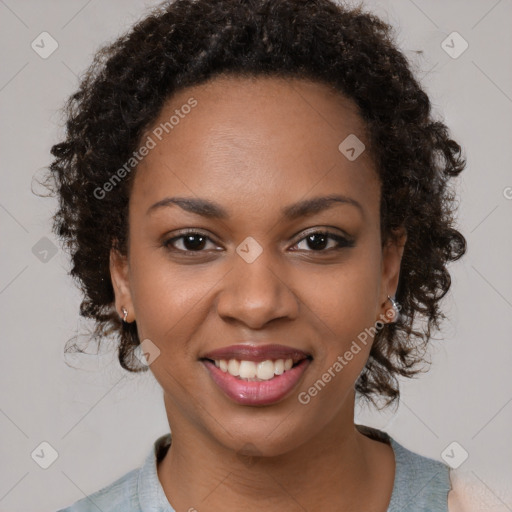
421,484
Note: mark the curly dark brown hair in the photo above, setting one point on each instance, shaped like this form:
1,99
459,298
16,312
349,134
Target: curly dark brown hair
187,42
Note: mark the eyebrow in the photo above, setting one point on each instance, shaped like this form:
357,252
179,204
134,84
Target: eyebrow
210,209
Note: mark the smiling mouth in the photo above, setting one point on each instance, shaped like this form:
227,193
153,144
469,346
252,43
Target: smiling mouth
256,375
252,371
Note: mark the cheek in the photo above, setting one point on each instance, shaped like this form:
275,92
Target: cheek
345,298
169,300
170,305
343,304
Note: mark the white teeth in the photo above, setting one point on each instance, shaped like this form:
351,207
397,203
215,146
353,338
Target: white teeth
264,370
279,367
247,370
234,367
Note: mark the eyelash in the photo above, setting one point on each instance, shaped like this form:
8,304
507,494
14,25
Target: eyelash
341,241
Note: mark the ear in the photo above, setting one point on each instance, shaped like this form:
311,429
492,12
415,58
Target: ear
392,253
119,274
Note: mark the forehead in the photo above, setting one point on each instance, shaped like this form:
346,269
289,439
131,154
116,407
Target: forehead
255,140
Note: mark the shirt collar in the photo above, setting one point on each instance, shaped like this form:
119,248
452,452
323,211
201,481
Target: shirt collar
151,495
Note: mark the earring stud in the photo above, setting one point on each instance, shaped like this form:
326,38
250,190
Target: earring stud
396,310
125,313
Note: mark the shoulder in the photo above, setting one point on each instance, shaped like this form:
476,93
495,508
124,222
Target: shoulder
137,490
419,480
119,496
420,483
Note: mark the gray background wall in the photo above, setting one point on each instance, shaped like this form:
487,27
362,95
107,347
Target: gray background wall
100,420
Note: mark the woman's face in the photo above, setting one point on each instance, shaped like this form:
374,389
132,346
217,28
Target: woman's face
228,257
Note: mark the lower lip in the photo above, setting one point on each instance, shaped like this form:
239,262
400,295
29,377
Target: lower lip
257,393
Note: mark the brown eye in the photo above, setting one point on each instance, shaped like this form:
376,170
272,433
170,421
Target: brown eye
188,242
319,240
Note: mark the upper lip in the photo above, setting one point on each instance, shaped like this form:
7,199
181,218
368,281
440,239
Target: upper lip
257,353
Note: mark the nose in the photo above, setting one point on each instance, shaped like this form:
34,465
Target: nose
256,293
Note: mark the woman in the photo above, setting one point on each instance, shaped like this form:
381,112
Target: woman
257,199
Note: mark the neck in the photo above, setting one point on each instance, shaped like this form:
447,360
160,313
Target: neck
334,466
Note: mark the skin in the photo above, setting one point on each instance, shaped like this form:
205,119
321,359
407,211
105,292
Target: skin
255,146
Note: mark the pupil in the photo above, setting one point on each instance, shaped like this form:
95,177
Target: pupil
314,245
190,245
